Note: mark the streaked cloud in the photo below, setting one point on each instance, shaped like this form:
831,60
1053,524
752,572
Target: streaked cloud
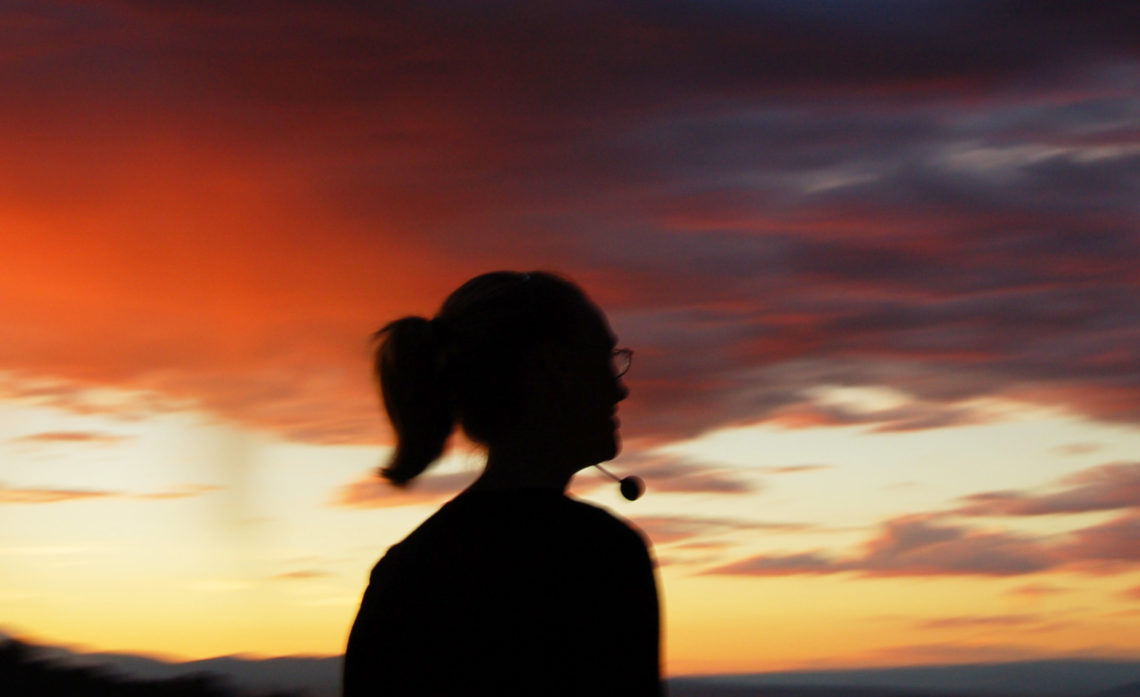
982,650
37,495
913,546
932,545
919,545
1038,590
664,474
780,565
1107,547
45,495
182,492
669,529
670,474
301,575
80,437
1078,448
371,491
885,219
981,621
794,469
767,200
1107,487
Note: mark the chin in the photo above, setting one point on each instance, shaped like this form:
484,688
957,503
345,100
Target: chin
610,449
598,449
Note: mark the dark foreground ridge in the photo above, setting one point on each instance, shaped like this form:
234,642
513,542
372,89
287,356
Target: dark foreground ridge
26,669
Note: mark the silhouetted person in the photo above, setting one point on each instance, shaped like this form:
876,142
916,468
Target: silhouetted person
511,588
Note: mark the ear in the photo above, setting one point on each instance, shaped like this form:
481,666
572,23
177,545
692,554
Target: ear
550,372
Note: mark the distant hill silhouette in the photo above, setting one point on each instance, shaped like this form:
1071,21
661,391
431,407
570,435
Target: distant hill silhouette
26,671
29,671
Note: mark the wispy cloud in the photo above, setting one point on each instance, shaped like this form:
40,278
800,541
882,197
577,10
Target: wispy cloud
79,437
794,469
1078,448
1038,590
301,575
662,474
1104,488
43,495
951,652
371,491
669,529
913,546
182,492
679,475
767,199
980,621
932,545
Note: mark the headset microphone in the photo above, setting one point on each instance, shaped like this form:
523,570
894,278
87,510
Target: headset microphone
631,487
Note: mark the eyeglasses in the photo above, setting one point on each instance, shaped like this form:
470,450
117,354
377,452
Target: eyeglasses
621,360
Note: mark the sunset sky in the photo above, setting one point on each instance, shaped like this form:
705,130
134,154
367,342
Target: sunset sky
878,262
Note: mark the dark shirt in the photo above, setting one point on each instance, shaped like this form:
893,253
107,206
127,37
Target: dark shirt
520,592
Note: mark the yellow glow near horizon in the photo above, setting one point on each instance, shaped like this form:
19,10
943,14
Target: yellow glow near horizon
258,560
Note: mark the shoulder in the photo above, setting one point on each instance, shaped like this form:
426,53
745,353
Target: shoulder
493,522
605,523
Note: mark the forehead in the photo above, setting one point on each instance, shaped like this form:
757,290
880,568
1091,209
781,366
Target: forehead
587,325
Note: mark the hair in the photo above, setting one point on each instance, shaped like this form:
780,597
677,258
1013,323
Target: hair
467,365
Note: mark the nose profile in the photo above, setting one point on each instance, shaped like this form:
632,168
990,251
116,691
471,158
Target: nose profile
622,390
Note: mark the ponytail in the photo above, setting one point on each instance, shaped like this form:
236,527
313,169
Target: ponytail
466,365
410,366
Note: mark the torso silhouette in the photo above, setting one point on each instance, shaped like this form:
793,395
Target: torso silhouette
511,592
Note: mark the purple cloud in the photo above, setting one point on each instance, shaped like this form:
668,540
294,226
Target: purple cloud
939,200
43,495
913,546
669,529
82,437
1107,487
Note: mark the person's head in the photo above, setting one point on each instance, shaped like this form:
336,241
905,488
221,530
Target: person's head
513,358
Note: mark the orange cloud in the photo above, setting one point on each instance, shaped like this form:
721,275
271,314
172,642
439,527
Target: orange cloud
1038,590
35,495
1107,487
913,546
677,475
216,211
928,545
68,437
371,491
184,492
48,495
301,575
981,621
794,469
669,529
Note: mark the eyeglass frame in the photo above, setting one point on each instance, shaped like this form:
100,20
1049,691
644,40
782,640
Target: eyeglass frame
621,359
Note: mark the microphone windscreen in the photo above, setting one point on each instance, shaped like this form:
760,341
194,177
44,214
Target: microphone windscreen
632,488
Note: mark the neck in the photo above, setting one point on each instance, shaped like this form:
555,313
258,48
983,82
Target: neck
507,469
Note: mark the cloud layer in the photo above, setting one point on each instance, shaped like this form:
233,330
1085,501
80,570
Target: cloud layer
948,543
215,205
14,495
